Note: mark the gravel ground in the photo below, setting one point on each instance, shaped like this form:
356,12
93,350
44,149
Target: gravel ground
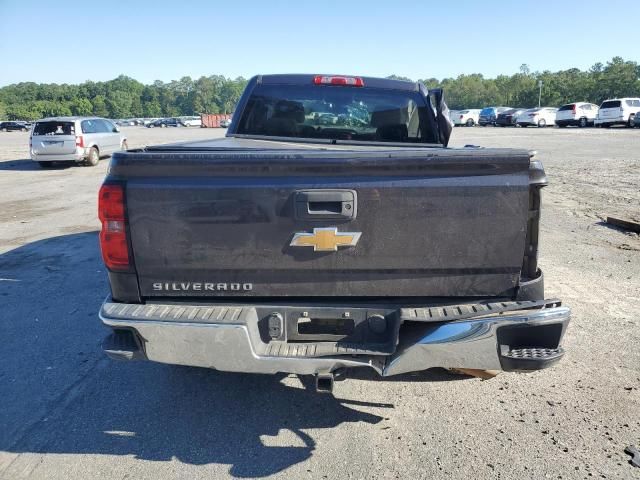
67,412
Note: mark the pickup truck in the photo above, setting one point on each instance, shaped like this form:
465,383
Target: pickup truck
332,228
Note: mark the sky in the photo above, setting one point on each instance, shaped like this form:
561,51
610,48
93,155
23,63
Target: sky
72,41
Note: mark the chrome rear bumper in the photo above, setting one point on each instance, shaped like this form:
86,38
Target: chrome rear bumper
227,338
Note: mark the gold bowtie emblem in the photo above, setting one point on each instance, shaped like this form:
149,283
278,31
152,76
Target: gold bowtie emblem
325,239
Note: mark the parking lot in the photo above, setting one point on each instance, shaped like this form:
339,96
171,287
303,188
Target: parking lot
68,412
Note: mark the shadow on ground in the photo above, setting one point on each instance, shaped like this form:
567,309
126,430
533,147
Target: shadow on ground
62,395
615,228
27,165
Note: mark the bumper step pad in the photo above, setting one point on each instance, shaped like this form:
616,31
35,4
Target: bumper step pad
319,349
470,310
533,358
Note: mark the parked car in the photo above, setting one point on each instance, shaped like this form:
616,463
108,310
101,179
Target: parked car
618,111
166,122
537,117
636,121
225,123
468,118
488,115
14,126
191,121
74,139
578,114
508,117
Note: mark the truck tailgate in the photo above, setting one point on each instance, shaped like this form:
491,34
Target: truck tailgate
431,222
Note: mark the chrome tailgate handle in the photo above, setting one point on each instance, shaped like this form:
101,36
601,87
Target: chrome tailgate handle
325,204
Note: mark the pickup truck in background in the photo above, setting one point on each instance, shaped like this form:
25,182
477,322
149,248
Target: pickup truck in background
331,229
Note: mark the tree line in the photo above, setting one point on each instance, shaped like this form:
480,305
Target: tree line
124,97
616,78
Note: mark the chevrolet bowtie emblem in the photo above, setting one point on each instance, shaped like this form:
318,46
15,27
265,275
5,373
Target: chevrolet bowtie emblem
325,239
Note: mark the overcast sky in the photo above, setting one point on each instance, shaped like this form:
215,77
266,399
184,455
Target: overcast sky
73,41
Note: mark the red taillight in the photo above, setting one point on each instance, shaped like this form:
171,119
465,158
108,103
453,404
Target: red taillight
461,117
573,108
79,141
113,236
338,80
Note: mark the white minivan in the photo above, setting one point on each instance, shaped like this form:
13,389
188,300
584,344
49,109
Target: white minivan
618,111
74,139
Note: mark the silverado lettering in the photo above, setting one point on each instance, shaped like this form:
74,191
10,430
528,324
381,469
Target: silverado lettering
375,245
200,286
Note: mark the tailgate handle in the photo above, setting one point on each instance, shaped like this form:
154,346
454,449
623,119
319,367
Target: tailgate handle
325,204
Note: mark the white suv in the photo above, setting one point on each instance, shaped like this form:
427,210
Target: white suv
618,111
468,118
191,121
580,114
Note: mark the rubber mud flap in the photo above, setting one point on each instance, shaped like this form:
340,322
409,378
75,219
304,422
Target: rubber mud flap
531,289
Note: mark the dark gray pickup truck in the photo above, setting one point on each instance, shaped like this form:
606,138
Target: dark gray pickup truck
332,228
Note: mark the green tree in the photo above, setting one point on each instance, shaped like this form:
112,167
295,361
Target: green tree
119,103
81,106
100,106
230,94
205,97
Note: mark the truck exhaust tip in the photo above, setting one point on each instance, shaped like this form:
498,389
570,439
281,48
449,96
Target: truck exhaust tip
324,383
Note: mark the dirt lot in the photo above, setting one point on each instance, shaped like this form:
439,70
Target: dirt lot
67,412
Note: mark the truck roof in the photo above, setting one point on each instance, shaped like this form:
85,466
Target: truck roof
307,78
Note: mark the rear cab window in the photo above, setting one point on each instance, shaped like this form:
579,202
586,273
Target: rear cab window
345,113
51,128
611,104
569,106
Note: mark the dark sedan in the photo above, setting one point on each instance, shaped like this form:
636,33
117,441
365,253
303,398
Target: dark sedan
166,122
508,118
488,115
14,126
